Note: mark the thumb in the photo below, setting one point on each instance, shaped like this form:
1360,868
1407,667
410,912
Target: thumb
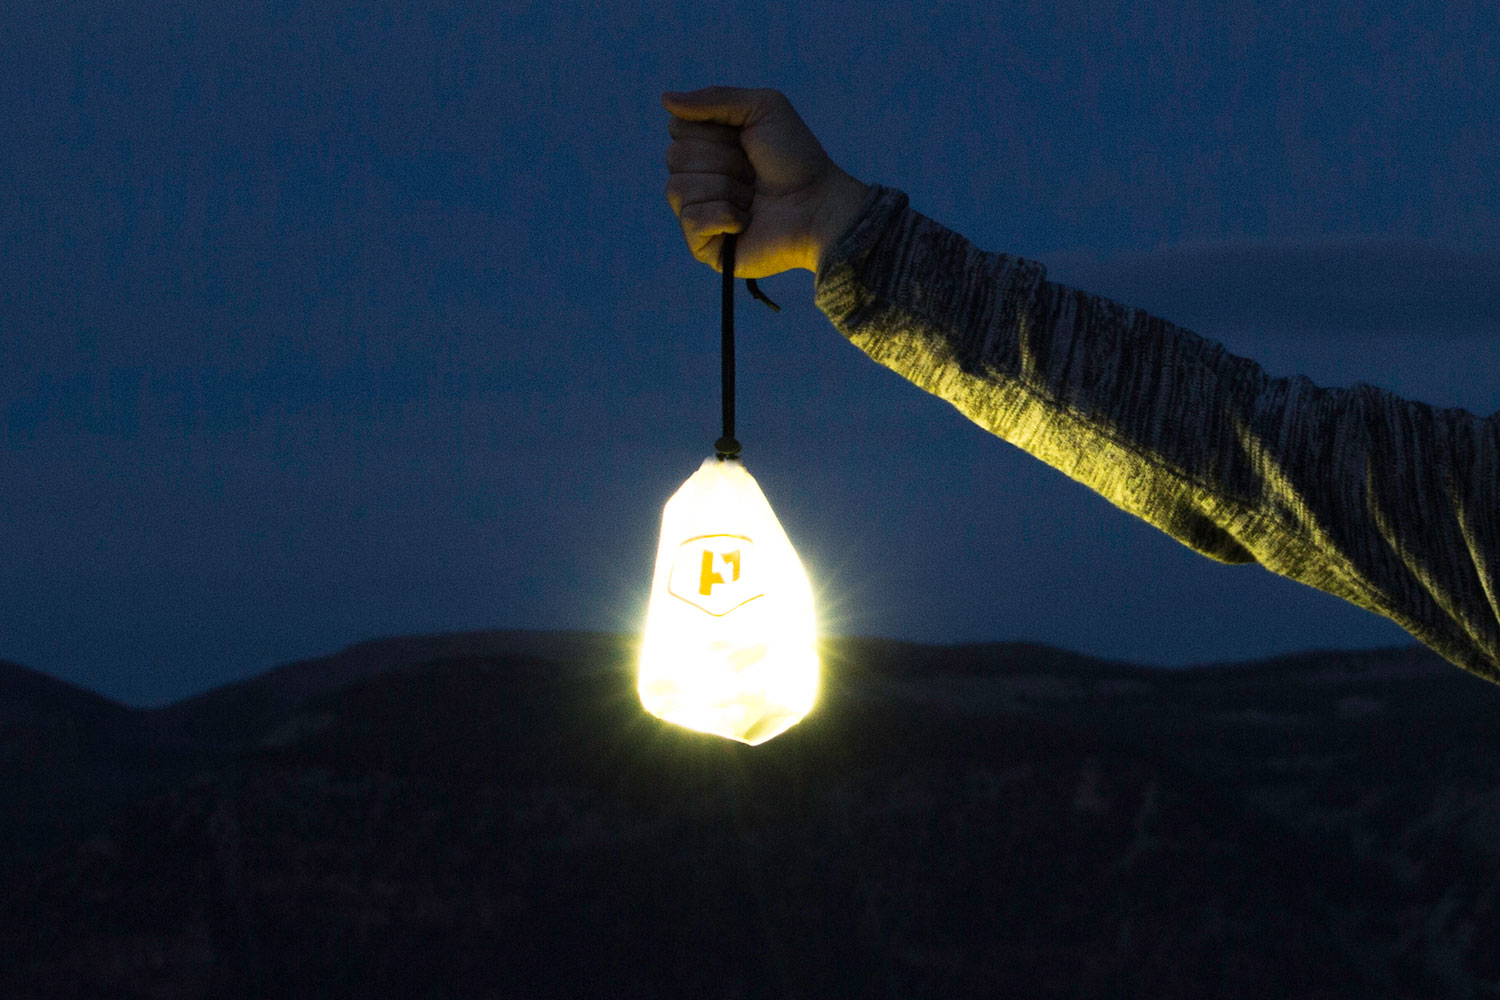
734,106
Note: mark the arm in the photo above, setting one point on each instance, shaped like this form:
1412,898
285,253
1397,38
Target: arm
1390,504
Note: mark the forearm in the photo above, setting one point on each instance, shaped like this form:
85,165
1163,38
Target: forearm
1386,503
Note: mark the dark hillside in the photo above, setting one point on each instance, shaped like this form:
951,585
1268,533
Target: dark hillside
68,759
474,817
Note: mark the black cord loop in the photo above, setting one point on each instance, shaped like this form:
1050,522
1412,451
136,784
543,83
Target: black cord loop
755,291
727,446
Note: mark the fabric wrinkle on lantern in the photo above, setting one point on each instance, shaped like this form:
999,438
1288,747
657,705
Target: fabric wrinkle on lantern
730,641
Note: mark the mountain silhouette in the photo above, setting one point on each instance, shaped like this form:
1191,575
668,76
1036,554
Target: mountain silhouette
68,759
492,815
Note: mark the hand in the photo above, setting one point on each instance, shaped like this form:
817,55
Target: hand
742,161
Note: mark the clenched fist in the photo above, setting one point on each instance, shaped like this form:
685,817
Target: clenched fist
742,161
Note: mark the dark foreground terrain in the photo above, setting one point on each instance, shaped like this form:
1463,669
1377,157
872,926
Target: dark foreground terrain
492,815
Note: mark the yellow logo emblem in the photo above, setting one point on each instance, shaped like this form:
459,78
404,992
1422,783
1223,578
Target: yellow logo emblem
715,573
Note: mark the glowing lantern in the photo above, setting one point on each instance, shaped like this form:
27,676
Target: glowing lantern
730,636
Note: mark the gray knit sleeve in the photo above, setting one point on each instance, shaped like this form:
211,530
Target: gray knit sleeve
1390,504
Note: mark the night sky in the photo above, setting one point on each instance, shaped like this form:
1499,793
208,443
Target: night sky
319,324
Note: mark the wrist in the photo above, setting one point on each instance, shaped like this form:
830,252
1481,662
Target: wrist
834,216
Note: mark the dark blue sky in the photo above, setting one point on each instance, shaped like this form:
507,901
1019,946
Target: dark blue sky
322,324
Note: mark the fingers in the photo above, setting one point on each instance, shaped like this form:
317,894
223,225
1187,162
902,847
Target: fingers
681,128
709,204
710,187
704,235
684,190
710,218
735,106
695,156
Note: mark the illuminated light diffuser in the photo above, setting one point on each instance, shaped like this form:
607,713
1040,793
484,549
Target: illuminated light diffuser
730,642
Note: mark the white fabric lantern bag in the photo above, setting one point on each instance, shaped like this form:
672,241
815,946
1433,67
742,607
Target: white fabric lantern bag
730,640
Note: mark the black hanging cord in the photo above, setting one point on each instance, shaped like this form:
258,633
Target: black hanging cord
727,446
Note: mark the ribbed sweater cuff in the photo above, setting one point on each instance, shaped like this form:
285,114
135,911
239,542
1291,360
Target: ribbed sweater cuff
841,286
